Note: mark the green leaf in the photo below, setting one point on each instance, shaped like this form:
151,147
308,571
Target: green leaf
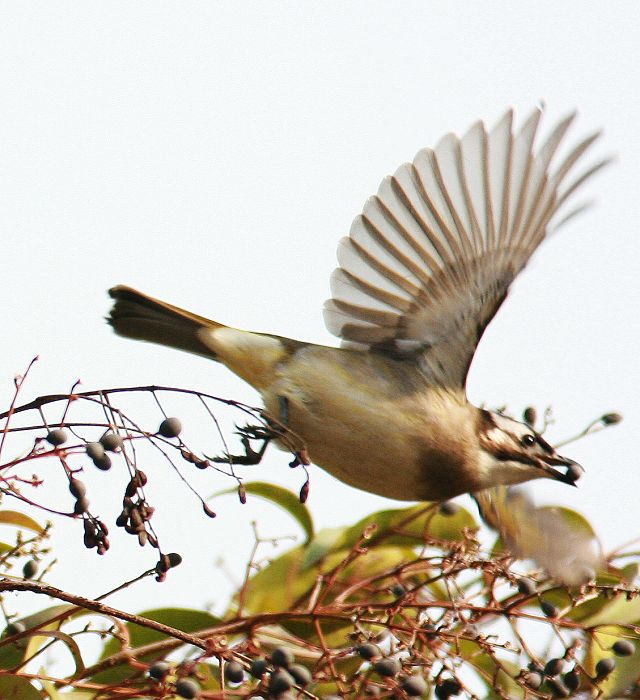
48,686
12,654
489,672
617,611
278,584
409,526
17,688
287,500
576,521
322,544
13,517
184,619
42,617
626,671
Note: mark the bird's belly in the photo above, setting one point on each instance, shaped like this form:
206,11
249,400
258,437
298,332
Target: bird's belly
371,440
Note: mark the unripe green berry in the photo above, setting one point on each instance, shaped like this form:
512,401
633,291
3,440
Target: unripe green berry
30,569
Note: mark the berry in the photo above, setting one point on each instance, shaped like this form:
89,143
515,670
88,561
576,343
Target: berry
623,647
280,681
554,667
605,666
77,488
449,508
611,418
414,686
448,687
208,512
281,656
57,437
258,668
103,463
530,415
368,651
526,586
398,589
558,688
472,631
170,427
574,472
174,559
81,505
111,442
186,688
549,609
533,679
301,675
94,450
571,680
30,569
233,672
158,670
387,667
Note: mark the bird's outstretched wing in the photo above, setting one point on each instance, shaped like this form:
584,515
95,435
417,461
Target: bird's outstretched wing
430,259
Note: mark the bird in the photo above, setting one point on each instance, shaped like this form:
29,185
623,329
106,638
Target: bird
422,272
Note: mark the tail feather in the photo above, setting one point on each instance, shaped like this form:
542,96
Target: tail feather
135,315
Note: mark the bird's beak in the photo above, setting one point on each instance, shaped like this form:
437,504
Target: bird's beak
570,475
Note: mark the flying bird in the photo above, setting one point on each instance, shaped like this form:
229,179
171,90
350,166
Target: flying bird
425,267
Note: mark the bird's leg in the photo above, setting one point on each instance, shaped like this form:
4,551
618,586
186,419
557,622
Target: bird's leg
300,456
250,456
283,410
265,433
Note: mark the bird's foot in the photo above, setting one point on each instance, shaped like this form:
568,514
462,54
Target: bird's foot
250,456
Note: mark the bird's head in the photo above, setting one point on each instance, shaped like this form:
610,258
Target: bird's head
513,452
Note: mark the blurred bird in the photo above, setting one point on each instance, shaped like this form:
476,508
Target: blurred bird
423,271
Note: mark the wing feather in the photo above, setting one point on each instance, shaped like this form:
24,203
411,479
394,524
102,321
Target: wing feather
430,259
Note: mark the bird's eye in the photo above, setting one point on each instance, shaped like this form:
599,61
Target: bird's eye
528,440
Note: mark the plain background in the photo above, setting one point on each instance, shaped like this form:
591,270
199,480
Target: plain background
212,154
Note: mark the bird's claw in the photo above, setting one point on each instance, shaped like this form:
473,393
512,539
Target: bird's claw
250,456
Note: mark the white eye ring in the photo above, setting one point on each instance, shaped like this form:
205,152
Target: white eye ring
528,440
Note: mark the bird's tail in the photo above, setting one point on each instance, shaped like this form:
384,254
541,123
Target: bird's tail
136,315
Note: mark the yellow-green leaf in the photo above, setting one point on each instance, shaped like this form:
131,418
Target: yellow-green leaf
184,619
17,688
14,517
287,500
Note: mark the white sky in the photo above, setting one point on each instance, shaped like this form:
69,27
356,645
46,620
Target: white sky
213,153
